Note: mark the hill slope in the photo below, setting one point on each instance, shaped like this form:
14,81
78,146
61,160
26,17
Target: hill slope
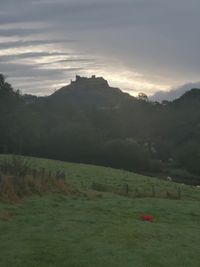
94,91
99,228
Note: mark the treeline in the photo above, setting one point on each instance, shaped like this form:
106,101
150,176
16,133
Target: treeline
90,122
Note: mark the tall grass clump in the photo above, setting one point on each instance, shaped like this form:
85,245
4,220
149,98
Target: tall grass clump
18,179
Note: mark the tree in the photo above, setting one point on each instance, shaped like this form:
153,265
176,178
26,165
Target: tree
142,96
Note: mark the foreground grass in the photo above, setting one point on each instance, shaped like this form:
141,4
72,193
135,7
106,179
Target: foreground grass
100,229
58,230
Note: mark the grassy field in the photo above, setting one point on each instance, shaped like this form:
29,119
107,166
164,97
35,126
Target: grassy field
101,228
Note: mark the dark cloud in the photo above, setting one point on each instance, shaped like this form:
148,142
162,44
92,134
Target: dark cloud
137,43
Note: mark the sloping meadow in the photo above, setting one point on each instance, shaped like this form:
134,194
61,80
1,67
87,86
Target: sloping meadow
97,222
84,178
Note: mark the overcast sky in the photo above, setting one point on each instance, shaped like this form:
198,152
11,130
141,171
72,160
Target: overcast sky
137,45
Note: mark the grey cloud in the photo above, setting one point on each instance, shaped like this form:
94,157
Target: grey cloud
17,44
6,58
157,38
82,13
21,32
17,70
80,60
24,70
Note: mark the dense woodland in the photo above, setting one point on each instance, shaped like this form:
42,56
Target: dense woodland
90,122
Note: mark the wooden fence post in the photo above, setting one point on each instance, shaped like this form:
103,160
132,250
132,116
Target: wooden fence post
57,175
153,190
43,172
137,192
179,192
126,189
34,173
167,194
63,176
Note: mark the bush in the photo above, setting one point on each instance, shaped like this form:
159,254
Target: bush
17,180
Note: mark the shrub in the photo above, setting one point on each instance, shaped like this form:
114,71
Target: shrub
17,180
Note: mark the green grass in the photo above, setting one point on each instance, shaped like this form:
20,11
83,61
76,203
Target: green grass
101,229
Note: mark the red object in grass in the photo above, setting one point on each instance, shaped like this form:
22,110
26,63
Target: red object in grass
146,218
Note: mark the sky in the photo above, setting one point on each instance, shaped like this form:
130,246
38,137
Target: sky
137,45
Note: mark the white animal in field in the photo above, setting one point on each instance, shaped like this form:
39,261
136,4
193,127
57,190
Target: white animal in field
169,179
198,186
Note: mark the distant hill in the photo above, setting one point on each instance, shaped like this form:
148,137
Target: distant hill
174,93
191,96
88,121
94,91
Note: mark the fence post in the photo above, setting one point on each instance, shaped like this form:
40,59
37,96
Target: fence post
34,173
43,172
153,190
57,175
167,194
136,192
126,189
179,192
63,176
